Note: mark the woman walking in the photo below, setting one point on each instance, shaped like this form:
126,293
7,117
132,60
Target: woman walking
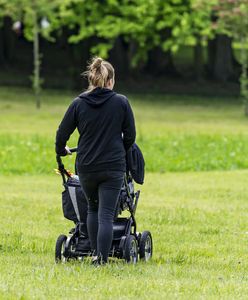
106,127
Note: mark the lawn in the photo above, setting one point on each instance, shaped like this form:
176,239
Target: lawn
197,215
176,133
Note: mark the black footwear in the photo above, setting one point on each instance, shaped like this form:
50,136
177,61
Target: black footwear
98,261
83,244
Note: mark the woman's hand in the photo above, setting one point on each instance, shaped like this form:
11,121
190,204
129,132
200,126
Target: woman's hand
67,150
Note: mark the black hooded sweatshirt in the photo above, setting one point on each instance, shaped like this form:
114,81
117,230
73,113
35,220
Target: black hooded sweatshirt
106,127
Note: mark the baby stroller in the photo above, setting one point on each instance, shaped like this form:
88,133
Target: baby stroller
128,244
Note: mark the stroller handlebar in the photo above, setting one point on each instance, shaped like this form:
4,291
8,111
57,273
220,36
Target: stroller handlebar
61,165
58,157
73,149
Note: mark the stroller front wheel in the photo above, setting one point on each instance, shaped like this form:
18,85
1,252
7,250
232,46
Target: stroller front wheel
145,246
131,250
60,249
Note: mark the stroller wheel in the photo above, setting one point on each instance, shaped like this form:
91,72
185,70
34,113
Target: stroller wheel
131,250
60,249
145,246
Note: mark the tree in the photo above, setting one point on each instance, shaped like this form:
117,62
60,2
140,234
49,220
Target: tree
232,19
39,18
143,24
143,28
193,28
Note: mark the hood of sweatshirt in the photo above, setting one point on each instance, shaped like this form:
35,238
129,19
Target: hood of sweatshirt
97,97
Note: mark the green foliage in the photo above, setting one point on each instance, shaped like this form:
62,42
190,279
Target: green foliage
232,17
8,8
144,24
28,11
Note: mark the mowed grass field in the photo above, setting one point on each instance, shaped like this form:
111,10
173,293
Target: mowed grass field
194,201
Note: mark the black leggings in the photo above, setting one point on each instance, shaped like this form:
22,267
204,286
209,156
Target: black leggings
102,191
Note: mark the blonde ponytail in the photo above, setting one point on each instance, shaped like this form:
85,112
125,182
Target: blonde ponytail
98,73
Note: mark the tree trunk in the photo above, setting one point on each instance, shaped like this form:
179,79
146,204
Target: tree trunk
244,76
198,60
36,57
161,63
9,39
2,59
246,109
220,58
211,50
80,55
119,57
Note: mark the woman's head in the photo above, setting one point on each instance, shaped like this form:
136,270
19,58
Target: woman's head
100,73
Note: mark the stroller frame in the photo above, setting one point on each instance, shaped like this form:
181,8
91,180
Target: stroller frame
128,244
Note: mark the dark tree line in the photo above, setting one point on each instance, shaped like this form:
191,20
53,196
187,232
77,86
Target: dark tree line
221,64
140,37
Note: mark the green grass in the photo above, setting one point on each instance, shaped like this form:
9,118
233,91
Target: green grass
175,133
199,225
198,219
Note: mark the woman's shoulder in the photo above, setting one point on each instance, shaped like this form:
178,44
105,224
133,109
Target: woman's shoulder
77,100
121,98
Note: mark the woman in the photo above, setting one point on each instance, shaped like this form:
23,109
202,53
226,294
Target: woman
106,128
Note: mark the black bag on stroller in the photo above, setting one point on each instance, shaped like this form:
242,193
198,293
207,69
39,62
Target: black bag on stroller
74,203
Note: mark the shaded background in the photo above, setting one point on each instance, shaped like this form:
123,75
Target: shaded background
174,42
62,63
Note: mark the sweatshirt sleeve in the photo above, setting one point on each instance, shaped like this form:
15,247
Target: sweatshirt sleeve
128,127
65,129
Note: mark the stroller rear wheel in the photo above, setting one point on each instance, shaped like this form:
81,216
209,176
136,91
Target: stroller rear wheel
145,246
60,249
131,250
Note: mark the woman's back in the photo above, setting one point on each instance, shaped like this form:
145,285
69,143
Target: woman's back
101,118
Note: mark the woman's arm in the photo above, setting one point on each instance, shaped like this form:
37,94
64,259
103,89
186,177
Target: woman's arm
128,127
66,128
